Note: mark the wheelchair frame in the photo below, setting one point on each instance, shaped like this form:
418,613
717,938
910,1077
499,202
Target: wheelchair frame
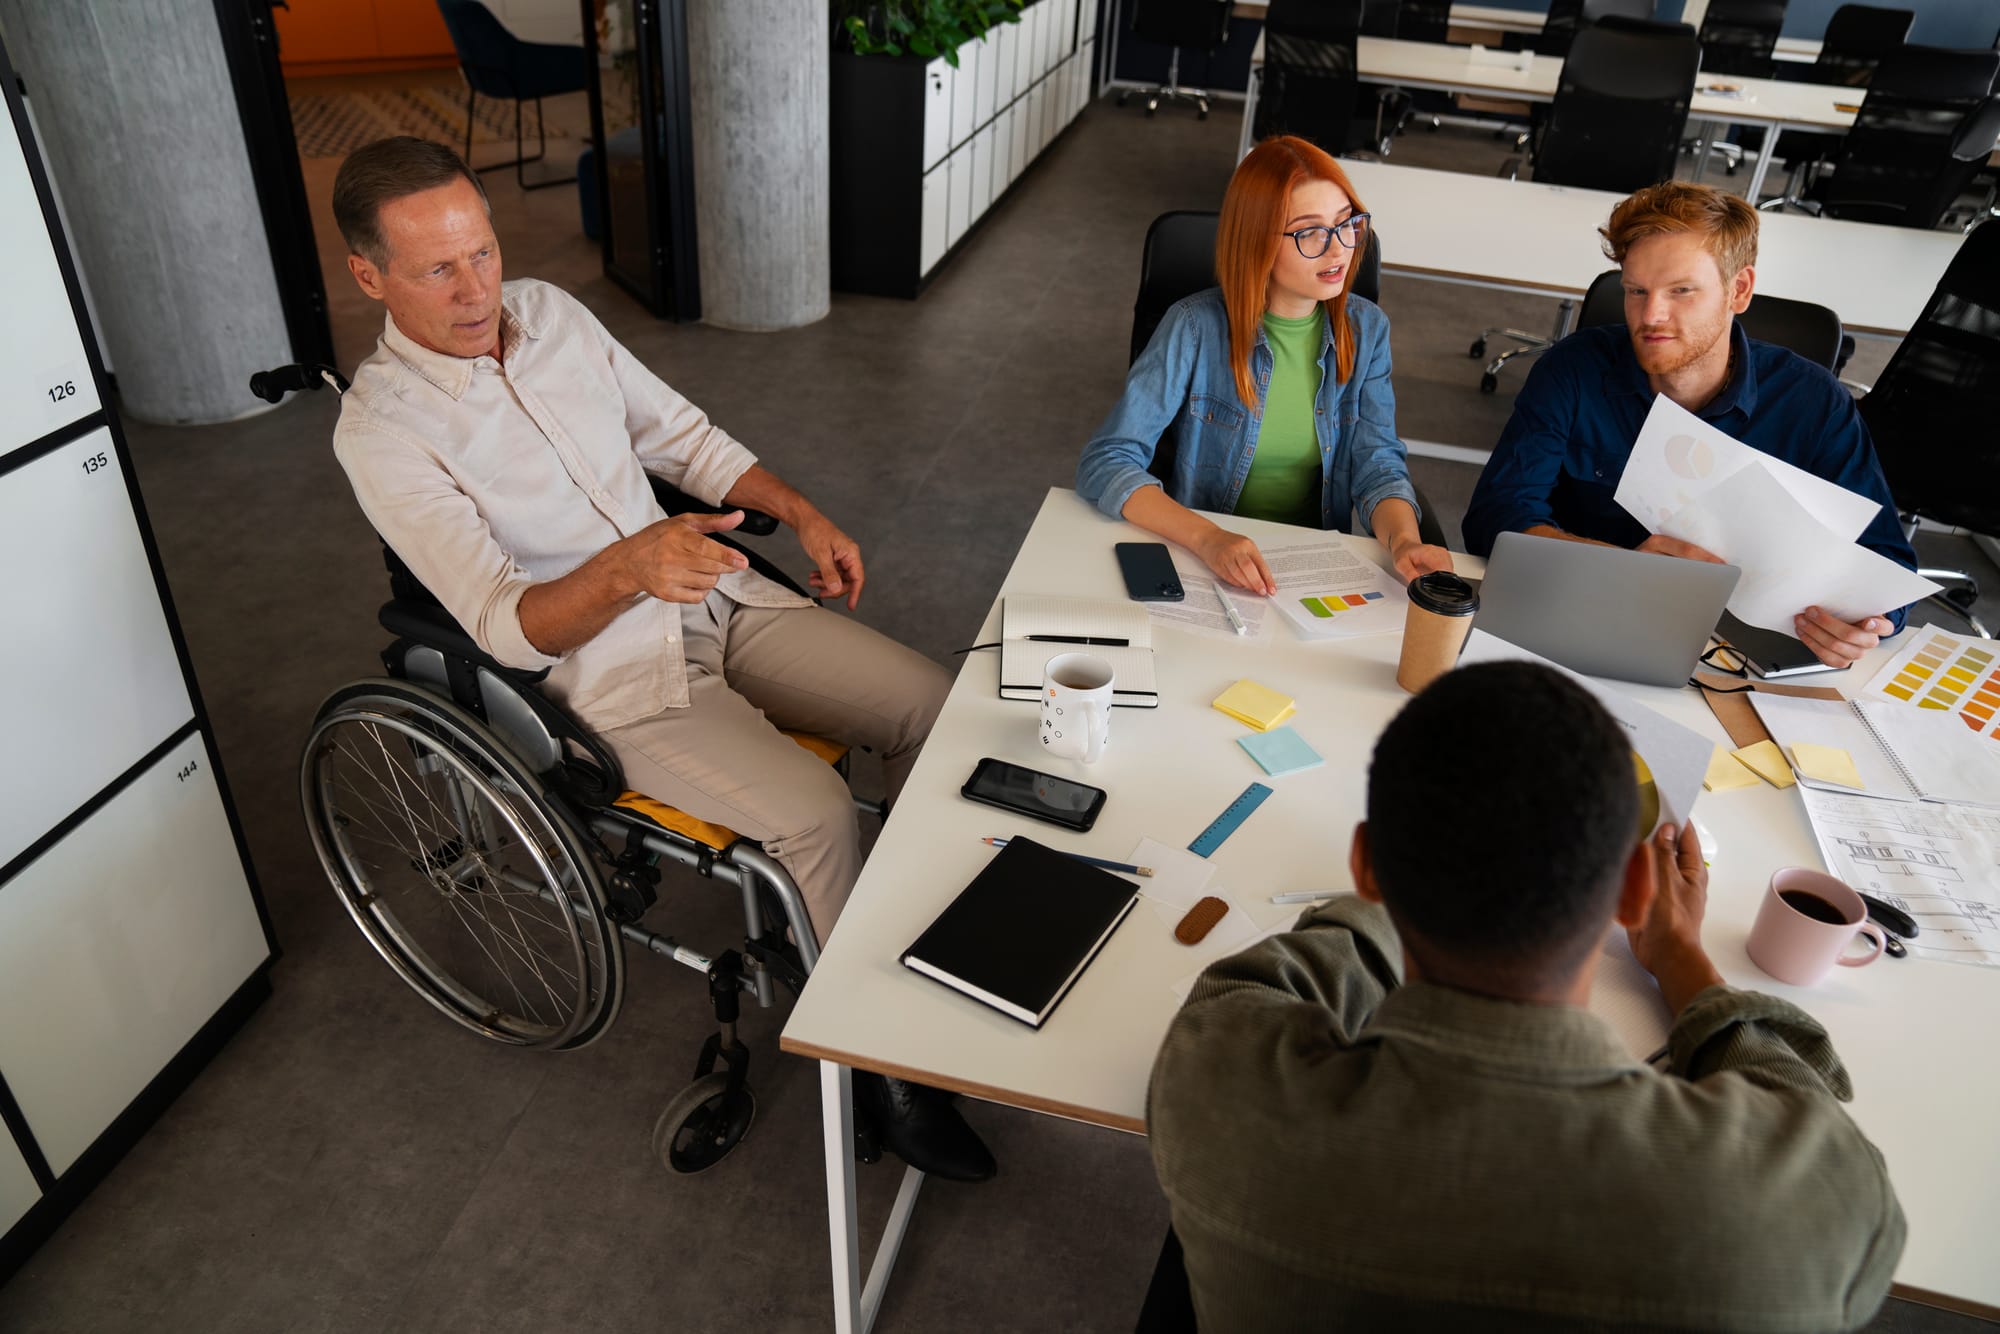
476,763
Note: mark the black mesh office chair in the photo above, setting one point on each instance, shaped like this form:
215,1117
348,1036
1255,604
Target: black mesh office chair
1738,37
1567,18
1935,405
1621,106
1308,83
1924,131
1812,331
1201,24
1177,261
1857,39
1416,21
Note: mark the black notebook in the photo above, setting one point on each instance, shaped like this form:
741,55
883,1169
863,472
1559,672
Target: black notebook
1023,931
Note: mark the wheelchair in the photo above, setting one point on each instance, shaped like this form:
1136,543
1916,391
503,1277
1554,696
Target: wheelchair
486,846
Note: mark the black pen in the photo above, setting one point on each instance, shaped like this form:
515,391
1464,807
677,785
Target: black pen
1078,639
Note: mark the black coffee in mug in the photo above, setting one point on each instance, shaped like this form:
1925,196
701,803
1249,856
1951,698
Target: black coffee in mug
1813,906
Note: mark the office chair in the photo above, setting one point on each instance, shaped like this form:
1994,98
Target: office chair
1933,409
1738,37
1203,24
1620,109
1813,331
1177,261
1416,21
1857,38
500,65
1568,17
1309,84
1925,128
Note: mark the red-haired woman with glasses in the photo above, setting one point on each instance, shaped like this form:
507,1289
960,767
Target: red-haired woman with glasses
1274,385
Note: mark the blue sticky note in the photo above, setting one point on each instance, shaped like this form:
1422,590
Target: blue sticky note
1280,751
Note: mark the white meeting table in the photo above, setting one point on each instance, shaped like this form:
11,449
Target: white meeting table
1769,104
1917,1034
1524,236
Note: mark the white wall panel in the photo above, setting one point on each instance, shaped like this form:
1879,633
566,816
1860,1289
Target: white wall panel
122,941
44,375
90,682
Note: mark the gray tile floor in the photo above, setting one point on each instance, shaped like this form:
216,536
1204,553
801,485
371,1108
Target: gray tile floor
351,1161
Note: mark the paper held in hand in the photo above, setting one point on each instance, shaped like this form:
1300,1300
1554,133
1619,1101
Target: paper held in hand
1793,534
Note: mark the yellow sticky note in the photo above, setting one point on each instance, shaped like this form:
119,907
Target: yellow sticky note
1767,762
1255,706
1725,772
1827,764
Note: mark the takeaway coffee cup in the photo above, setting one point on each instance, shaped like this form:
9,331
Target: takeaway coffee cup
1076,706
1805,924
1434,630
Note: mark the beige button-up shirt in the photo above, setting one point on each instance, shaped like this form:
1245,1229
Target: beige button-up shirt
488,477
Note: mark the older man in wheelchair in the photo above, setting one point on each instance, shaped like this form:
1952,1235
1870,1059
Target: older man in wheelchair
574,624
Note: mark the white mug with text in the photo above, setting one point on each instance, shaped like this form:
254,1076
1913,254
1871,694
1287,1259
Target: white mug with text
1076,706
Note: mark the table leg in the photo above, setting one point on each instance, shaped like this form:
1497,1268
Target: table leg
854,1306
1243,141
1703,136
836,1094
1756,186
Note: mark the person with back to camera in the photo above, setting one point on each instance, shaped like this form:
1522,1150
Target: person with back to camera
1401,1114
1274,385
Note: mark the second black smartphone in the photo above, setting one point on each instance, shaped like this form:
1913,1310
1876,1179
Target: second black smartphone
1149,572
1035,794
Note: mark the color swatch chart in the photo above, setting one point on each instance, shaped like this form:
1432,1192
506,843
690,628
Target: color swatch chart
1326,604
1942,671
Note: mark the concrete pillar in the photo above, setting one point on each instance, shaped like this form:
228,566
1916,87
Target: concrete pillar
135,108
757,79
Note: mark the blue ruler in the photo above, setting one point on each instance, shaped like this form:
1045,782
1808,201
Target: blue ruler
1225,824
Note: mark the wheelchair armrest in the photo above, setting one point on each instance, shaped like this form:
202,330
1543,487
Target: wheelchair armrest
673,500
433,627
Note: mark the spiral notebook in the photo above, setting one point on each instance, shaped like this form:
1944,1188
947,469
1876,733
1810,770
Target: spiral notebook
1899,752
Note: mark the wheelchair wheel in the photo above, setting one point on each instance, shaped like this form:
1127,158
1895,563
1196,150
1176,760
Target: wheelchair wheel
451,858
703,1123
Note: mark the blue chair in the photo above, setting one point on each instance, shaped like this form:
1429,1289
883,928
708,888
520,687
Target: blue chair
498,64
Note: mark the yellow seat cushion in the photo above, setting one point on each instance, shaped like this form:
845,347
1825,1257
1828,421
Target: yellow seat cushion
701,831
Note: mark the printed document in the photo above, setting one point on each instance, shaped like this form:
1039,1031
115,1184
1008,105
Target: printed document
1939,863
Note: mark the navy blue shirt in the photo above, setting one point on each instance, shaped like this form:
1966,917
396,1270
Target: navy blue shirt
1575,420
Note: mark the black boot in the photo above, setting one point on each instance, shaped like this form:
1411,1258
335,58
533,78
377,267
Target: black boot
920,1126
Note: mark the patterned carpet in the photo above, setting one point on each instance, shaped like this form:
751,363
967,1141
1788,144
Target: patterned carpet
334,125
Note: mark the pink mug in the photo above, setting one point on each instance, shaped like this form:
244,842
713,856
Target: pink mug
1805,925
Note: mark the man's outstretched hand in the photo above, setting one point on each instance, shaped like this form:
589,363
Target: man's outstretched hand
836,558
675,561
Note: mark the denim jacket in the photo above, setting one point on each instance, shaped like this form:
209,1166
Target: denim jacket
1182,383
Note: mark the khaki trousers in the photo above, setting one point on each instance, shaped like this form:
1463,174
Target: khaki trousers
753,670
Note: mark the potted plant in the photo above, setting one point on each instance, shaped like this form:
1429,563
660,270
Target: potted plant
927,28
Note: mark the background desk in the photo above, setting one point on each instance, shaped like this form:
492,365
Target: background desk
1916,1034
1527,237
1769,104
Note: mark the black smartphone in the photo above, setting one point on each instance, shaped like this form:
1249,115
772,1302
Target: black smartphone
1149,572
1037,795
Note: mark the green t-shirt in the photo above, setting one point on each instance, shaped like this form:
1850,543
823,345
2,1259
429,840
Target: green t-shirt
1284,480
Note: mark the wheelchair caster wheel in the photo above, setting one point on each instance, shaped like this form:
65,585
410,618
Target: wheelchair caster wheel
1488,382
703,1123
1478,349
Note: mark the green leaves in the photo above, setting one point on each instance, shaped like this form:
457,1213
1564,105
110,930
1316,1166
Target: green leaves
928,28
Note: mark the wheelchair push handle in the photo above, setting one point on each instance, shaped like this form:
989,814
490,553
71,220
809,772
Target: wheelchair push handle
274,384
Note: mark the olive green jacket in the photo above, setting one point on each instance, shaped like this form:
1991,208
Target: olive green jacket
1342,1151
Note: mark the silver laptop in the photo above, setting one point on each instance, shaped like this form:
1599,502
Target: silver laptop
1603,611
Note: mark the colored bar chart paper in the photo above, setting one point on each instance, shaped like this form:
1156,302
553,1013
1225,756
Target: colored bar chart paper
1324,605
1937,670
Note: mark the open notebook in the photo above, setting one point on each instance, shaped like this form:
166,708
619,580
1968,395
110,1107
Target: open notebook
1035,628
1899,752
